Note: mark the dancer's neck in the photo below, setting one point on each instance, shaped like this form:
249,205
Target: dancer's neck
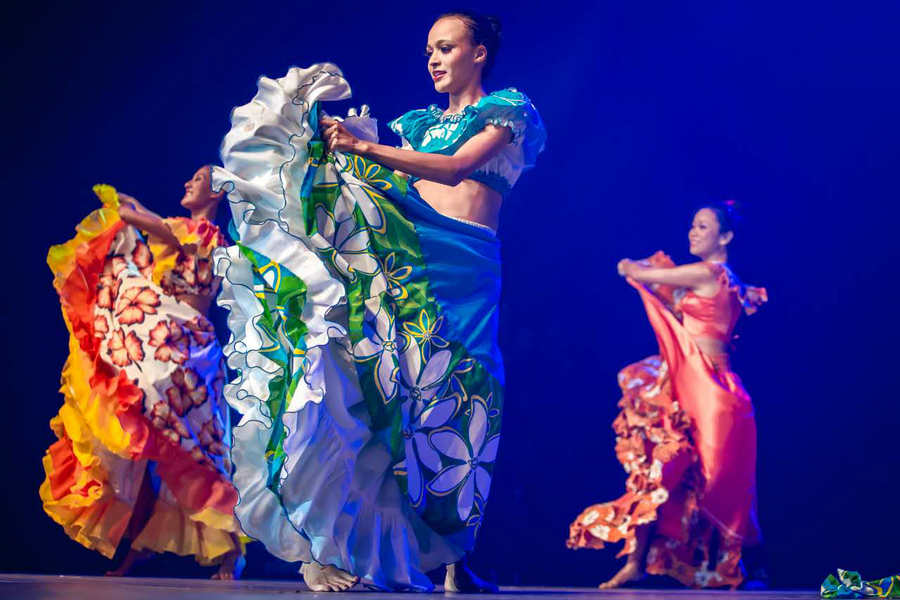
468,96
719,257
207,212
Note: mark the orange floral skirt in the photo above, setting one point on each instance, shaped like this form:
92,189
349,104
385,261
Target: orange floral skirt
141,386
653,443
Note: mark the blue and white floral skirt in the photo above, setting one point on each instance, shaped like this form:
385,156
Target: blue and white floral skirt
364,328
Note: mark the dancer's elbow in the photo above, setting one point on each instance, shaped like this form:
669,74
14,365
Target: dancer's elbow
457,172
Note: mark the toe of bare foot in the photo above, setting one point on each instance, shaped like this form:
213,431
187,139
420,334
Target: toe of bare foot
231,567
630,572
340,579
328,578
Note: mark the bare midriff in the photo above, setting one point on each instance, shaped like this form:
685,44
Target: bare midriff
196,301
470,200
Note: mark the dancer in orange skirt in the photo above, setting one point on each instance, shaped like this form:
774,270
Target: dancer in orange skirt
143,433
686,434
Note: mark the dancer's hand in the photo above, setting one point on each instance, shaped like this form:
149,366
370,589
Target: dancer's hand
130,203
623,267
126,200
336,136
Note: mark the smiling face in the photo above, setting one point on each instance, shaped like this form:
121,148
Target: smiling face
454,61
705,236
198,192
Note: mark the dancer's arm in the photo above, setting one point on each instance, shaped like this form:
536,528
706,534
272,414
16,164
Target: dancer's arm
148,221
691,276
449,170
125,199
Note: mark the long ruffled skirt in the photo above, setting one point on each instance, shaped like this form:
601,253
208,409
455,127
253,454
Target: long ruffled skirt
364,336
142,396
686,436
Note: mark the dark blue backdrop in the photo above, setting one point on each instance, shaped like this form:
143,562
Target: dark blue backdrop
651,108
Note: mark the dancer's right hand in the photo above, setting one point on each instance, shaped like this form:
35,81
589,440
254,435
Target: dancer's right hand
336,136
126,200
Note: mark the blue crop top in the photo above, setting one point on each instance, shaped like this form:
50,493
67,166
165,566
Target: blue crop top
430,130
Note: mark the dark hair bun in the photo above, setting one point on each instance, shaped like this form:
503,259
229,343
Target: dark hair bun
727,214
733,207
485,32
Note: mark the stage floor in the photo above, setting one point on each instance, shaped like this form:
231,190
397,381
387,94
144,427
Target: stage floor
32,587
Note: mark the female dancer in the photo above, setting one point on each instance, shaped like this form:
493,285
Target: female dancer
686,434
364,317
143,432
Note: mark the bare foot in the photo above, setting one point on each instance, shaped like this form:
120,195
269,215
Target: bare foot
630,572
461,579
133,557
327,578
231,567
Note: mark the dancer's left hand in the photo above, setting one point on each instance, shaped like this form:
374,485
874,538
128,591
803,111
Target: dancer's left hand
623,266
336,136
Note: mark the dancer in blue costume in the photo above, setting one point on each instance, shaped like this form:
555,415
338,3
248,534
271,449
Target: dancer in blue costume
363,294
